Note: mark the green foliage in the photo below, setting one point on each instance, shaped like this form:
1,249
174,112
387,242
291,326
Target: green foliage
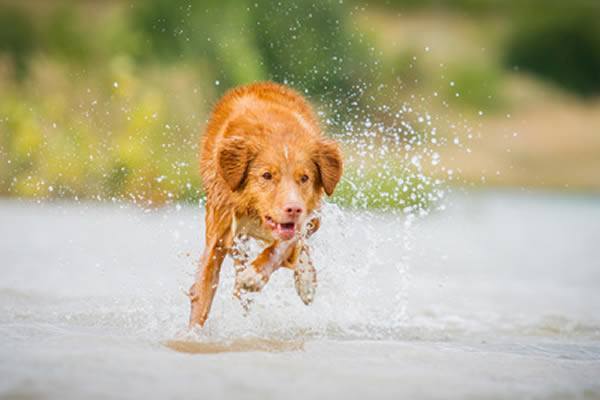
512,8
161,24
125,136
474,85
63,36
556,40
305,43
220,32
111,96
17,37
461,5
561,47
312,45
396,190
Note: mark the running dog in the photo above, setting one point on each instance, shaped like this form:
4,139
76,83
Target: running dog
265,166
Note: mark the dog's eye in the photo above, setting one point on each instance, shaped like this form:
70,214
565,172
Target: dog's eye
267,176
304,178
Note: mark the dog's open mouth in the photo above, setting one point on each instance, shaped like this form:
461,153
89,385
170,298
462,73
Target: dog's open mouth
285,230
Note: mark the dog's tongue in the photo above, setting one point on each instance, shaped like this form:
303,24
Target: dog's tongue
286,231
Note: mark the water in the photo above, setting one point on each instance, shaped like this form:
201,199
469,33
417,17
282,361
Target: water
497,297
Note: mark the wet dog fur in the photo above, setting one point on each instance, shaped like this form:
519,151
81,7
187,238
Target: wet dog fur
265,166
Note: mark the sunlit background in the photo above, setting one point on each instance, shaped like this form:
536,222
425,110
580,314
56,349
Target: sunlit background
106,99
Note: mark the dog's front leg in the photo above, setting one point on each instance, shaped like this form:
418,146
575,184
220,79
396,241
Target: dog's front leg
305,274
203,290
253,278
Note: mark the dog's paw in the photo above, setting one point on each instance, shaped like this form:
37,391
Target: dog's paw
305,277
198,312
245,301
312,226
248,279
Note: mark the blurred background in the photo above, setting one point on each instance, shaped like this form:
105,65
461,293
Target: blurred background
106,99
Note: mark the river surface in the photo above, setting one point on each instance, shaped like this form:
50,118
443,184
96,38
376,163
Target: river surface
497,296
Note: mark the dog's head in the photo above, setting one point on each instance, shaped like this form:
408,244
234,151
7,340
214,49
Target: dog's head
281,181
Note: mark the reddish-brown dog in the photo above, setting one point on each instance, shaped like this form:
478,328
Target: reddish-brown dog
265,166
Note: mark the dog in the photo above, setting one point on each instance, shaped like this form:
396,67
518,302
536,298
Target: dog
265,166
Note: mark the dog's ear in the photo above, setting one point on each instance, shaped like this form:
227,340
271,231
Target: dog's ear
233,158
328,158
